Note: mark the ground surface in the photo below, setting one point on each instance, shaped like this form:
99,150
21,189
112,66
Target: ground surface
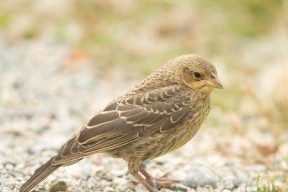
47,93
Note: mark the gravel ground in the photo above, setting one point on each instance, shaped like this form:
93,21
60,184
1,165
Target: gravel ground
47,93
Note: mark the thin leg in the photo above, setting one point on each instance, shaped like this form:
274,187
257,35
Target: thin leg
143,181
148,177
162,182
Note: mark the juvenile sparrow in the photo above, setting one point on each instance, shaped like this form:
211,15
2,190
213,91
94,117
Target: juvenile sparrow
159,115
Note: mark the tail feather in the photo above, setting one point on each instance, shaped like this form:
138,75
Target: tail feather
40,174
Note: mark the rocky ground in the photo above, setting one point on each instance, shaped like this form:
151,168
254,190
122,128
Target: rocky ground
48,92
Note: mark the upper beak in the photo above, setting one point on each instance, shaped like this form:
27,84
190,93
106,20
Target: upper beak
215,82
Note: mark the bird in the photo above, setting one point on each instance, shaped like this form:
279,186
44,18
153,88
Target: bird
159,115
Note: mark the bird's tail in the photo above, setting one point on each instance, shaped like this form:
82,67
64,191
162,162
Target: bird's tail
40,174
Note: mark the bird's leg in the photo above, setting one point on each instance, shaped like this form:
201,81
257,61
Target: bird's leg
162,182
148,177
133,169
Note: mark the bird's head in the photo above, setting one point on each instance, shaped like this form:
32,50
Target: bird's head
198,73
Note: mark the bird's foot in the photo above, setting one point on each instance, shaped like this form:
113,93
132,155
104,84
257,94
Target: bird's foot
165,182
146,183
159,182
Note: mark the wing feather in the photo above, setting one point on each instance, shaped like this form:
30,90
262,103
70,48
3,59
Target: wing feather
102,118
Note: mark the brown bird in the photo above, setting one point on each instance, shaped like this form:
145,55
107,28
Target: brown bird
161,114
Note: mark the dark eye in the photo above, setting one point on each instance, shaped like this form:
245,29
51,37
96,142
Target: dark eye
197,75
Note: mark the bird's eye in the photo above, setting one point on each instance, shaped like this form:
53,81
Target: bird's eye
197,75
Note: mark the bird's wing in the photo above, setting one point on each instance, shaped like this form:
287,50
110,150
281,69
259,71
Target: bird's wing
128,119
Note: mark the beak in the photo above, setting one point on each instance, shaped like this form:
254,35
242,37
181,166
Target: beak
215,82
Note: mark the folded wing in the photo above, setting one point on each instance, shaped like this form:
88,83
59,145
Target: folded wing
128,119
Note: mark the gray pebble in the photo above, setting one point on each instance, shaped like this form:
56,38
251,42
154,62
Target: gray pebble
58,186
200,176
240,179
119,172
140,188
202,189
180,188
228,183
108,189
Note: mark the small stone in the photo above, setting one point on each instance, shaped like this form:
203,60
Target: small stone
119,172
58,186
9,166
200,176
140,188
104,183
240,179
180,188
256,168
167,190
123,187
202,189
108,189
228,183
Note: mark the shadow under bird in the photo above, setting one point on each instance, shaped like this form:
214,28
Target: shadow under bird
159,115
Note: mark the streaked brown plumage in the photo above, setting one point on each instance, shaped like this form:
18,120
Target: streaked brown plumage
159,115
